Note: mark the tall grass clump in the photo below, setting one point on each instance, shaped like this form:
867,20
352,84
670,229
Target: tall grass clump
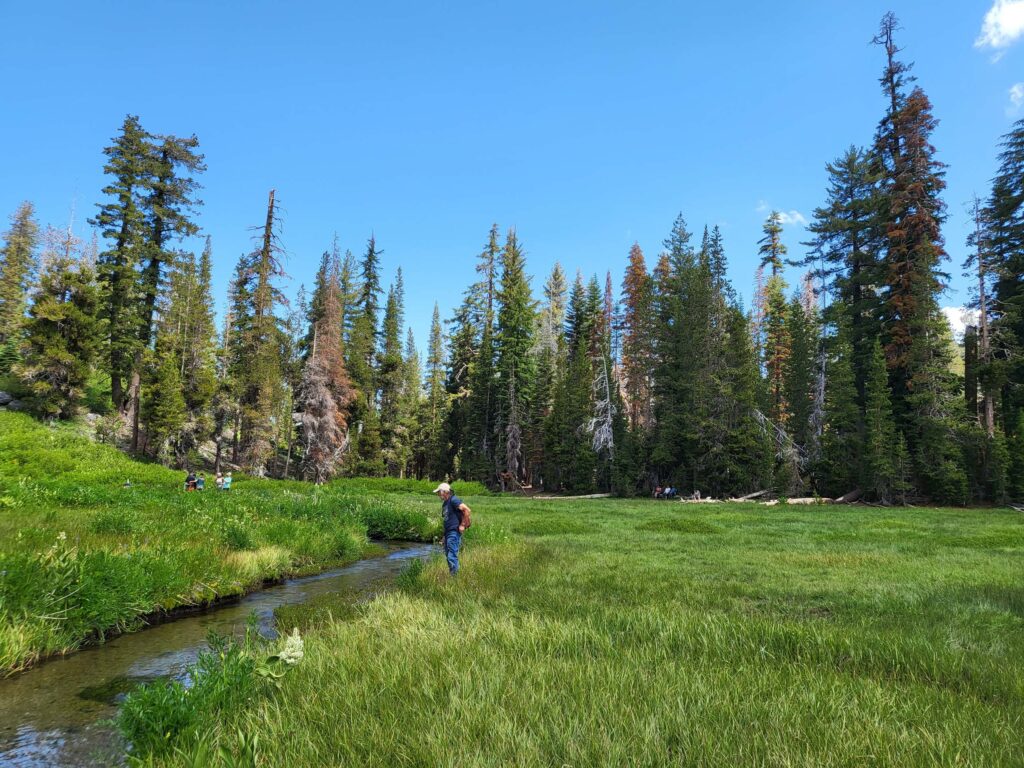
171,714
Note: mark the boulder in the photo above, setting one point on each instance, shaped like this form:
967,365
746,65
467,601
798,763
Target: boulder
16,405
5,398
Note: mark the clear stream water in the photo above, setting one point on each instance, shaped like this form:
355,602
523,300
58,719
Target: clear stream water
56,714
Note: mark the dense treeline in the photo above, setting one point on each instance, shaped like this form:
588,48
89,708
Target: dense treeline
847,382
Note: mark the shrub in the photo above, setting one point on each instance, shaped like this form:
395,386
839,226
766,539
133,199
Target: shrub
234,535
156,717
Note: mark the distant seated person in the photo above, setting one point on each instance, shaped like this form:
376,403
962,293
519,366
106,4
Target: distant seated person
219,481
190,481
670,492
201,483
658,492
226,486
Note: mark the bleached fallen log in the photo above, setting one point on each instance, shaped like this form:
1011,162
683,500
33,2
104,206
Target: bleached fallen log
810,500
701,501
852,496
771,503
1018,507
750,496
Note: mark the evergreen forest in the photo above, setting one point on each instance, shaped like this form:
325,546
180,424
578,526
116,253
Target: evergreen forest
849,382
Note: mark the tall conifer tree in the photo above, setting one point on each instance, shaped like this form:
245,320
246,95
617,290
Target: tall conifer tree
17,268
514,364
62,337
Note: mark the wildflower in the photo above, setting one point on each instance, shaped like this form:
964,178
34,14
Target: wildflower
62,536
294,649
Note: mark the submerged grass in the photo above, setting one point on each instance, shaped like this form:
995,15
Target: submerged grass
83,555
594,634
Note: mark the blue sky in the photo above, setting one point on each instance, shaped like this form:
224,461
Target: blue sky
586,125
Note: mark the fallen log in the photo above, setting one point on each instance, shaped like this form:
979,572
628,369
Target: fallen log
850,497
810,500
571,498
750,496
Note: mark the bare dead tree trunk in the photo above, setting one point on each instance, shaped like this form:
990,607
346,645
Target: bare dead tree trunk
134,399
984,349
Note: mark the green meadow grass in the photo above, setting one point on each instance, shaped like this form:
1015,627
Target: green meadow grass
82,556
641,633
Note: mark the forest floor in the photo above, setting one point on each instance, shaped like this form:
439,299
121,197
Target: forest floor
83,556
616,632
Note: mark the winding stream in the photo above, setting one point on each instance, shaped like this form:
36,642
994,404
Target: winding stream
54,714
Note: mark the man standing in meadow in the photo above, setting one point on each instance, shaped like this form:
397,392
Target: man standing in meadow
455,515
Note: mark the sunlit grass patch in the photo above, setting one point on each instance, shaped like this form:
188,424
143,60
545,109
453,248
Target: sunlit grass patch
679,525
607,633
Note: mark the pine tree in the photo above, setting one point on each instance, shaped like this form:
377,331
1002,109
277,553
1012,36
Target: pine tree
841,440
982,265
749,455
912,184
350,292
123,222
675,433
315,304
437,401
777,349
185,335
62,337
153,198
800,371
637,331
163,409
361,352
261,376
236,351
480,459
171,205
571,461
878,472
772,250
845,252
514,364
17,268
549,352
461,366
390,375
411,412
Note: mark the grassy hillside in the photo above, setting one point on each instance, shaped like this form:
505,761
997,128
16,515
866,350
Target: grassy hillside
611,633
81,555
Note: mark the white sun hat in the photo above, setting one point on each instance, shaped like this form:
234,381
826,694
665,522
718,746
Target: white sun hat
443,488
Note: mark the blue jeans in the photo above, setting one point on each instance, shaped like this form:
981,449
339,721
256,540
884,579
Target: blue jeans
452,541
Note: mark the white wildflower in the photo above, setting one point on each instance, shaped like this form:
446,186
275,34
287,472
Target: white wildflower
293,650
62,536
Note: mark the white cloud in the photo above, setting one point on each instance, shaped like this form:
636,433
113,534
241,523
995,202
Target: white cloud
1016,99
792,217
1003,24
785,217
959,318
